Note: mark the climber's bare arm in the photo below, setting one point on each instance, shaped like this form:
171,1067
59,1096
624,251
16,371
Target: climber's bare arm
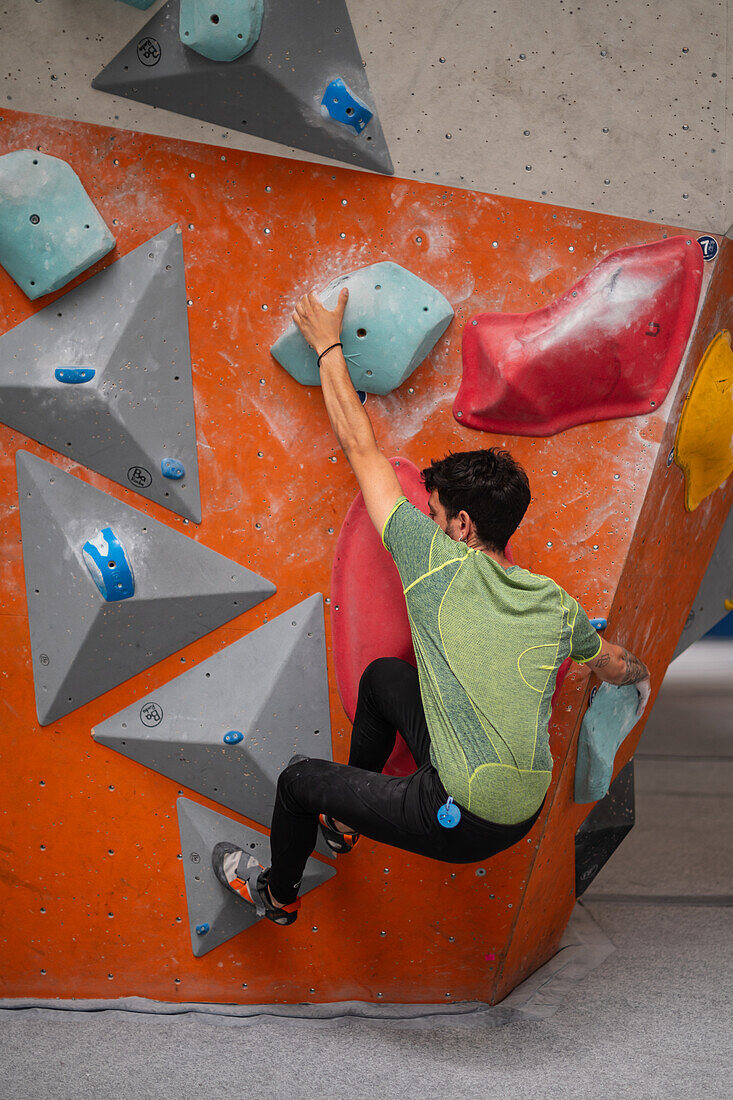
349,420
616,665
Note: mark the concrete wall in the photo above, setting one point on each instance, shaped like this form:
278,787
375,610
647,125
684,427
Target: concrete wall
610,106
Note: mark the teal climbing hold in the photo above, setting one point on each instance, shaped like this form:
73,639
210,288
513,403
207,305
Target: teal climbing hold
607,723
50,230
220,29
143,5
392,322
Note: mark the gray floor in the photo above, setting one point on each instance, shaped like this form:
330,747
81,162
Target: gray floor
652,1020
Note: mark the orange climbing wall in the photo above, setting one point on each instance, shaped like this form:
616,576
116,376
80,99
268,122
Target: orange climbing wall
93,903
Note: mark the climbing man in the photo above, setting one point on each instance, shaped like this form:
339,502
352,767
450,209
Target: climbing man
489,638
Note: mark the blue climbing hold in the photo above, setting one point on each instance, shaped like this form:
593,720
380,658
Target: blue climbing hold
202,929
108,566
233,737
74,375
143,5
221,30
50,229
343,106
599,624
449,815
172,468
393,320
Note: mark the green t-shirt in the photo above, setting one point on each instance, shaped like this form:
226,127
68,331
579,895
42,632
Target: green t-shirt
488,643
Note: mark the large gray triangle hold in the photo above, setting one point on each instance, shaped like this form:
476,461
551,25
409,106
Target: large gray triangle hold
277,90
103,375
214,914
110,590
228,727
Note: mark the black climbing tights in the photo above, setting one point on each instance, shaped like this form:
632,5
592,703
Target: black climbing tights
396,810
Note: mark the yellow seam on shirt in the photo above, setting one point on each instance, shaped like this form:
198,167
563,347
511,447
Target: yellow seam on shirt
400,501
430,573
575,618
584,660
529,650
428,667
450,666
547,681
522,771
432,544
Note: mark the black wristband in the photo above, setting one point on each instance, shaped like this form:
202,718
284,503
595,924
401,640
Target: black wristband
337,345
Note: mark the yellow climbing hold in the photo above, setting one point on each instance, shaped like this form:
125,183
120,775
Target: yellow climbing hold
704,444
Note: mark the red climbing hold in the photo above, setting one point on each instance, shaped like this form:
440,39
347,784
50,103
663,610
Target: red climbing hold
609,347
368,612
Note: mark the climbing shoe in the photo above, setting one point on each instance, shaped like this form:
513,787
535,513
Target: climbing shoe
253,888
338,842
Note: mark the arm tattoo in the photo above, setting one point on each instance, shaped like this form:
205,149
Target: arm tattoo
601,662
636,670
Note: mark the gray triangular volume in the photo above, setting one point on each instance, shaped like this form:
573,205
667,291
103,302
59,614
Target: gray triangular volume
214,914
103,375
82,643
228,727
273,91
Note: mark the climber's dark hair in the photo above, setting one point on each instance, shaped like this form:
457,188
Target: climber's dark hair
489,485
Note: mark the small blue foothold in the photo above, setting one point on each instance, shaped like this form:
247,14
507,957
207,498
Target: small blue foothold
106,560
599,624
172,468
233,737
74,375
449,815
343,106
202,929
